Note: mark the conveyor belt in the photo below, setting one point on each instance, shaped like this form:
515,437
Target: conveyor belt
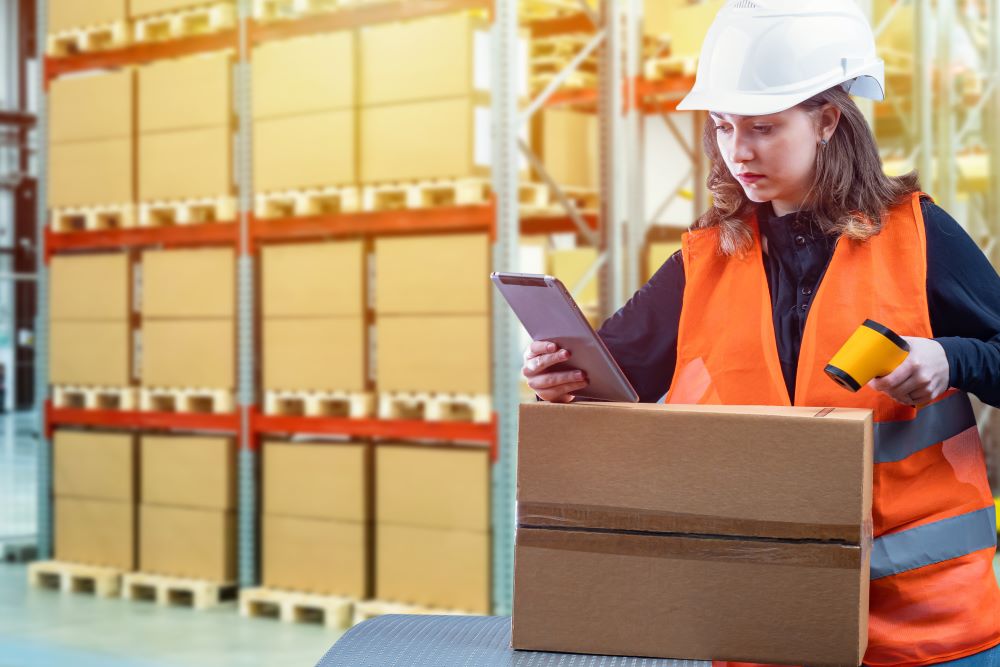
457,641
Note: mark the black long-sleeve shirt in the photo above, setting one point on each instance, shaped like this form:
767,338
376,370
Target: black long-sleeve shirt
963,295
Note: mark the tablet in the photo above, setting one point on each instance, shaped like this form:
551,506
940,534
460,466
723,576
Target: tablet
548,312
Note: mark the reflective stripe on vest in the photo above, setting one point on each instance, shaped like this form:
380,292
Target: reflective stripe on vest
934,542
894,441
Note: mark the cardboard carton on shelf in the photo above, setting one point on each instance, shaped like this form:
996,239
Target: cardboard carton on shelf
724,533
304,75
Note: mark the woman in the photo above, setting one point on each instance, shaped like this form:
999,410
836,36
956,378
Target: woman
806,239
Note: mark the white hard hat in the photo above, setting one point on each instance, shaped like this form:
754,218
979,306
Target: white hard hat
764,56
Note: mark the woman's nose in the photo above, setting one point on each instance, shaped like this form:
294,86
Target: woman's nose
741,150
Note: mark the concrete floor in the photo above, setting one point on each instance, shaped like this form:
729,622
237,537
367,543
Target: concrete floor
41,628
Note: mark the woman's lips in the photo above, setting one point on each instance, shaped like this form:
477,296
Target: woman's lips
750,178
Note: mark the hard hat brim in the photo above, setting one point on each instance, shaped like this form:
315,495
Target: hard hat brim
740,104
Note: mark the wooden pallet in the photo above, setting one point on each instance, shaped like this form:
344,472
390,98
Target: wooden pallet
559,45
88,39
93,218
185,399
278,10
308,201
164,590
444,192
295,607
94,398
103,582
655,69
477,408
187,211
353,404
366,609
584,199
208,18
552,65
576,80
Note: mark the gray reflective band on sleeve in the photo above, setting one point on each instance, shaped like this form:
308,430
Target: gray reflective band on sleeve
894,441
934,542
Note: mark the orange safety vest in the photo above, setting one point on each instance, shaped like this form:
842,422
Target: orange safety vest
933,594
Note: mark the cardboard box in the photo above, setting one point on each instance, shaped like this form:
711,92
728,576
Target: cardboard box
570,266
93,464
316,556
189,283
315,354
189,353
316,481
433,487
67,14
304,75
186,93
95,532
657,255
312,150
188,471
313,279
446,569
436,353
91,173
186,164
92,107
432,274
567,144
146,7
424,59
686,23
185,542
446,138
90,287
90,353
726,533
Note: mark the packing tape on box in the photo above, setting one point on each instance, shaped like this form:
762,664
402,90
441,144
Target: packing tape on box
566,515
798,553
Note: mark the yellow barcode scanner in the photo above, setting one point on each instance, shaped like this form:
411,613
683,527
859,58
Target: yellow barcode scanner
872,351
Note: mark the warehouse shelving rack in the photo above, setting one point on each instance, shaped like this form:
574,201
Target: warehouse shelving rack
499,217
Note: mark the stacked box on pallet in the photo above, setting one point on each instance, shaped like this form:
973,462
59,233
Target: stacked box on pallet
90,337
94,484
186,140
91,151
425,110
657,254
676,29
305,118
432,538
188,329
566,142
571,266
187,515
317,523
315,330
432,324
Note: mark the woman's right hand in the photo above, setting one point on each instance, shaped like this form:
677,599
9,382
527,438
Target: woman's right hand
551,386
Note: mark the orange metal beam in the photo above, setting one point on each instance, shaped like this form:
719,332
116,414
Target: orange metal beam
133,419
561,25
209,234
140,53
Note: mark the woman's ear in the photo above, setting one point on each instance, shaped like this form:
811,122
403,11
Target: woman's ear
829,118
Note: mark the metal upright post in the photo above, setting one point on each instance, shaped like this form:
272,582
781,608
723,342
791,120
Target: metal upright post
923,98
867,106
635,204
993,131
946,182
612,144
245,325
506,354
44,462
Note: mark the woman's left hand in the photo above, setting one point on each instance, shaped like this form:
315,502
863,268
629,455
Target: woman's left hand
922,377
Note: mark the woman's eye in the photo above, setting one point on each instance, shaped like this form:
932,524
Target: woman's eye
721,127
763,129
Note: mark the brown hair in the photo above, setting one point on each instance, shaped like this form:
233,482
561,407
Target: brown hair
849,194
